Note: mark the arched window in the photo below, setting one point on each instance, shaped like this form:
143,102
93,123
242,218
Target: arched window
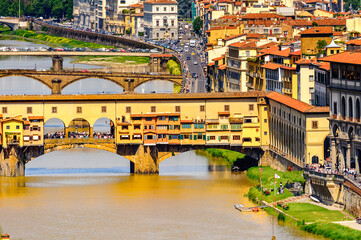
350,108
343,107
357,115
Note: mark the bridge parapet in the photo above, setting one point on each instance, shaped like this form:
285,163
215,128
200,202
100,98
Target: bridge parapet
67,143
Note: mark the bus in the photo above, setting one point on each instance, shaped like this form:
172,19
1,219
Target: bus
192,43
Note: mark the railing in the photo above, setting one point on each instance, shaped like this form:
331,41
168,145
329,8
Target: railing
324,176
64,141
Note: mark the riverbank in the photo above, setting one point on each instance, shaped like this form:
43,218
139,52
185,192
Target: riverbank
51,39
230,157
299,212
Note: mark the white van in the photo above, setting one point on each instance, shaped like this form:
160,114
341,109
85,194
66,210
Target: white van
192,43
186,48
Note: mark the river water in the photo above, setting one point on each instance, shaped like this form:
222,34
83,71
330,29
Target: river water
90,194
23,85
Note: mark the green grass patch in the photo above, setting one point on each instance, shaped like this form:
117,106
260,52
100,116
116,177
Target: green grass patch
4,28
332,230
177,88
59,41
227,155
312,213
130,60
268,180
173,67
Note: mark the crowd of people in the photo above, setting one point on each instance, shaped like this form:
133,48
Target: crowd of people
98,135
326,169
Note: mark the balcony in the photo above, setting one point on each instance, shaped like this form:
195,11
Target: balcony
286,91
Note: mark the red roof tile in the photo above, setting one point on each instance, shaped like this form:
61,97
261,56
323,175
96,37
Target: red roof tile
253,35
36,117
318,30
325,66
349,57
232,37
211,64
244,45
296,53
356,42
296,104
272,66
161,2
222,67
218,58
261,16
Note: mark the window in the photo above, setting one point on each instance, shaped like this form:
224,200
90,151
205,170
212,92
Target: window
157,9
17,127
312,90
104,109
172,9
164,9
332,51
172,35
265,109
212,137
236,137
310,66
198,125
54,109
202,108
172,23
251,107
157,34
7,127
314,124
224,137
186,126
128,109
5,110
125,127
177,108
247,140
265,120
153,109
79,110
136,127
265,133
29,110
161,118
148,119
157,23
311,78
226,108
224,127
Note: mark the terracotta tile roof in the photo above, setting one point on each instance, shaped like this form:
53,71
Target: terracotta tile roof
267,45
267,51
238,3
211,64
318,30
325,11
243,45
325,65
298,22
228,17
331,22
261,16
284,53
186,121
296,104
253,35
138,15
218,58
288,68
305,61
222,67
137,5
272,66
296,53
356,42
232,37
338,34
36,117
349,57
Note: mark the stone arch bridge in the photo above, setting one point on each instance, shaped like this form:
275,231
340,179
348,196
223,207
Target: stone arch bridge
57,81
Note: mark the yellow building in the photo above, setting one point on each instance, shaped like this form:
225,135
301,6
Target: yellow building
323,13
297,130
12,130
216,34
311,36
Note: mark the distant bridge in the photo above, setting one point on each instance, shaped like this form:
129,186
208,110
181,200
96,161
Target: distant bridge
12,23
74,54
57,81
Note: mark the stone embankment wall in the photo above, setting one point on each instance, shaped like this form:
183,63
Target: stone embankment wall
352,198
278,162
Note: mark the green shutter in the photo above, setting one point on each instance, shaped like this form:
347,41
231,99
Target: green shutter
219,138
194,137
170,137
190,137
208,138
204,137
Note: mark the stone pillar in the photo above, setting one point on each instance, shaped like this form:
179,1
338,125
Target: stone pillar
348,154
151,64
12,162
56,88
91,132
57,64
66,132
333,153
146,160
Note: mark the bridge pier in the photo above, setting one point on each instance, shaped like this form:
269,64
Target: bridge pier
57,64
56,88
12,162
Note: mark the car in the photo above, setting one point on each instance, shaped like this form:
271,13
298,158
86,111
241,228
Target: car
195,63
193,53
194,75
188,57
84,71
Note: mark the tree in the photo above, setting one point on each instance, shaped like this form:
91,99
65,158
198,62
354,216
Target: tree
321,44
315,24
197,25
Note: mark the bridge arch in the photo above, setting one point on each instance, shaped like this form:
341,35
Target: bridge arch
156,79
12,26
23,80
117,82
104,128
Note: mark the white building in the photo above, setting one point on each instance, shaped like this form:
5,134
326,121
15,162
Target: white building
161,19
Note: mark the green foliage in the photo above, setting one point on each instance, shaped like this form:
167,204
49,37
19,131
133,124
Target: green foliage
174,67
228,155
321,44
311,213
185,8
38,8
44,29
128,31
281,217
129,60
197,25
315,24
176,88
59,41
355,4
332,231
4,28
141,34
125,11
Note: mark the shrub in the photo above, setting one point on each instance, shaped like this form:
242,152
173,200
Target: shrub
44,29
281,217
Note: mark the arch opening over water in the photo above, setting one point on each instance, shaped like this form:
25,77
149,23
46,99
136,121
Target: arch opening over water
19,85
155,86
92,86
